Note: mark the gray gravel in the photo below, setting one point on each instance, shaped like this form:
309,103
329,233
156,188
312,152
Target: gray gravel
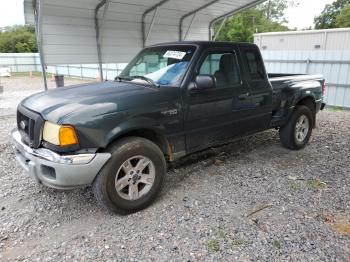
251,200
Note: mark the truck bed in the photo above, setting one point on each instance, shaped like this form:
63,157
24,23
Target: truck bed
278,79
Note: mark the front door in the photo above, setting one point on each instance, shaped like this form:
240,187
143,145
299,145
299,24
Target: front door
212,114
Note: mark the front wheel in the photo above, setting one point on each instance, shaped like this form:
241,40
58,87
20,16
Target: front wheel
132,177
296,134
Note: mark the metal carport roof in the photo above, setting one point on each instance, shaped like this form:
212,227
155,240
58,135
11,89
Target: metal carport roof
113,31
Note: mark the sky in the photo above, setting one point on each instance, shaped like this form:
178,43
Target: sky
11,12
303,15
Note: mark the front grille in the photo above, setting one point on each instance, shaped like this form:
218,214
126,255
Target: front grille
29,124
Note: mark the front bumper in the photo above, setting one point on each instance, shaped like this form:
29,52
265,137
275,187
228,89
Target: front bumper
58,171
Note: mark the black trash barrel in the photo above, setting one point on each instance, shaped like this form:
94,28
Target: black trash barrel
59,79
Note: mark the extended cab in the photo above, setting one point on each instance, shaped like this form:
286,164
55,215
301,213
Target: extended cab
171,100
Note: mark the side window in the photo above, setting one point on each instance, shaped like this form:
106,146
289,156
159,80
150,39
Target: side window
223,66
255,65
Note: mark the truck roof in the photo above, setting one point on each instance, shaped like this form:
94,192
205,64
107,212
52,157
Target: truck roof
206,44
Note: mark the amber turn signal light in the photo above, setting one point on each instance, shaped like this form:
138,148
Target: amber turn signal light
67,136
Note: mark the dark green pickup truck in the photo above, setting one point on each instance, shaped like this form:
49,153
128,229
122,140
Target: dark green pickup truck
171,100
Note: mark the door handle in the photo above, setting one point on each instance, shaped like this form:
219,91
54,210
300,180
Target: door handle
243,96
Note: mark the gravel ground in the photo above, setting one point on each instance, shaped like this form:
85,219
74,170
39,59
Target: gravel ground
251,200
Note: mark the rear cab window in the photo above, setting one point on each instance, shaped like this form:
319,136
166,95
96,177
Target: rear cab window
254,69
255,64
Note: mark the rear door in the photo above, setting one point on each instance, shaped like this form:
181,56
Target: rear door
259,111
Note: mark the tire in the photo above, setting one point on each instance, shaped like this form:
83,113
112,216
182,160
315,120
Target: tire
295,135
118,181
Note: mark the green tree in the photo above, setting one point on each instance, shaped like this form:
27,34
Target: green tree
274,9
18,39
327,19
264,18
343,19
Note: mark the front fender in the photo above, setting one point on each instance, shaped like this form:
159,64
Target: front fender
100,131
132,125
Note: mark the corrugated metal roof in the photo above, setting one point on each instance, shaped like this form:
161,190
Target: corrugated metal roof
68,35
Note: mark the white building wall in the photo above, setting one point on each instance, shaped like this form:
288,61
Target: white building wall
330,39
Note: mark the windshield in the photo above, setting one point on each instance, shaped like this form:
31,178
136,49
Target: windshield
164,65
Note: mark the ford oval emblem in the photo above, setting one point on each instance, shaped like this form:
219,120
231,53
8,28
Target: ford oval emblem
23,124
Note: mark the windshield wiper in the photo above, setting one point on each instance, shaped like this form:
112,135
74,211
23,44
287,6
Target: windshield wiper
147,79
121,78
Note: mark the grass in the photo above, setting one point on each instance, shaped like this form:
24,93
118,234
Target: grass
336,109
220,233
277,244
238,242
295,186
213,245
221,236
35,74
316,184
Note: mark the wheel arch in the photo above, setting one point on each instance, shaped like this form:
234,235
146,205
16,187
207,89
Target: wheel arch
152,134
310,102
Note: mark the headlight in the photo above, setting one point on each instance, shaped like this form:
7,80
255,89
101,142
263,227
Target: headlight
60,135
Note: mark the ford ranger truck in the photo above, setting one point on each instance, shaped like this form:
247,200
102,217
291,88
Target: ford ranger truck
171,100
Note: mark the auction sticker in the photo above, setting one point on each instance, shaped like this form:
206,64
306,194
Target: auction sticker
174,54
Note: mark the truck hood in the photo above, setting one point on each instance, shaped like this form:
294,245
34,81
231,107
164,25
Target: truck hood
90,99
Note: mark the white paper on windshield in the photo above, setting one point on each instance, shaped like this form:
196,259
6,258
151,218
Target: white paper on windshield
174,54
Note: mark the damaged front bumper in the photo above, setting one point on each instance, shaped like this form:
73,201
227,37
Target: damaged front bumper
58,171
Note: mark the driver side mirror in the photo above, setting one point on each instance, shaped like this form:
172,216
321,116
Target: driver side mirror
203,82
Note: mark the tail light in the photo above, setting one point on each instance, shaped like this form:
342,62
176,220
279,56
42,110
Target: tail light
324,88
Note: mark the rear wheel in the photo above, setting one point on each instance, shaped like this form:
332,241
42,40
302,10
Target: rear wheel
133,176
296,134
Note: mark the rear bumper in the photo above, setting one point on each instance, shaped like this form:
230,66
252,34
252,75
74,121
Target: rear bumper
320,105
58,171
